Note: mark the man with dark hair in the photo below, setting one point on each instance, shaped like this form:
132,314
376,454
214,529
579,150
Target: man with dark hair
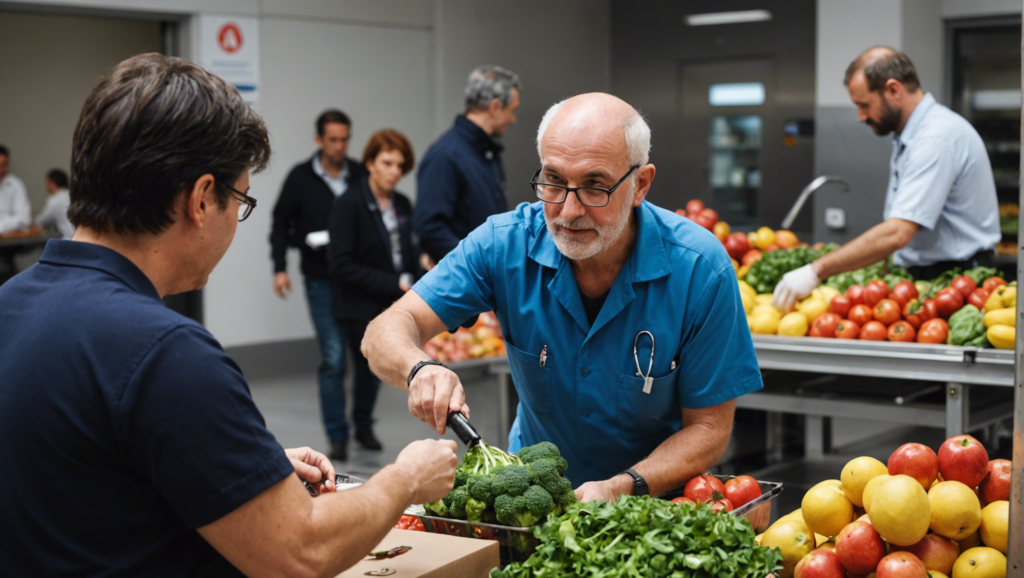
56,210
301,218
461,181
15,210
941,209
161,464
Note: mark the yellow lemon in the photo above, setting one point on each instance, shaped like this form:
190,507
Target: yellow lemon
765,238
811,308
763,299
869,490
794,541
956,511
857,473
827,293
1001,336
980,563
972,541
1006,317
900,510
746,289
757,538
764,324
793,325
826,509
748,302
995,523
765,309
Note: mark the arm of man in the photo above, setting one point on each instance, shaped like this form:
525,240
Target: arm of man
437,182
687,453
870,247
280,230
285,532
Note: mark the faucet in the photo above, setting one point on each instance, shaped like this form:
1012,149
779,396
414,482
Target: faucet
815,185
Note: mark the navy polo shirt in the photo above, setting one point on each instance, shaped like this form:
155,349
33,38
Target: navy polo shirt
124,425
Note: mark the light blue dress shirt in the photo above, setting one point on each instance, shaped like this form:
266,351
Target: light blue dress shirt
941,179
337,185
586,397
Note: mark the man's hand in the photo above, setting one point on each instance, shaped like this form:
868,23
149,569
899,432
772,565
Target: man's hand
794,286
313,466
426,262
607,490
433,394
282,285
432,468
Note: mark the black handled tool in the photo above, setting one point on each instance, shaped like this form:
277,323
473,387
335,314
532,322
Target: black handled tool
463,429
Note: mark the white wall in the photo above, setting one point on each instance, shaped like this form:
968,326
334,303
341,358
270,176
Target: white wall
845,29
976,8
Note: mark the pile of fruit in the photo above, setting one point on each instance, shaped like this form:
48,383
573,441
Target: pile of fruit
481,340
707,489
976,309
942,515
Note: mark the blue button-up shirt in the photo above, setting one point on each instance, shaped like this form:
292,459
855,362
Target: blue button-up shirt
941,179
586,397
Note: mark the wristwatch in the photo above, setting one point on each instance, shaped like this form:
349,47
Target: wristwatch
420,366
639,483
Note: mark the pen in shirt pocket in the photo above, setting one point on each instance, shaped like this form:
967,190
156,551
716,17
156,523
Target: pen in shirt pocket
544,356
675,364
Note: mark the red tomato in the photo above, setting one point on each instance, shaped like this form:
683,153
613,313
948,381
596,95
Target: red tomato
856,295
902,331
916,313
848,329
964,285
700,488
933,331
737,245
875,292
887,312
681,212
861,314
742,489
683,500
721,504
410,523
704,220
948,301
991,283
905,291
978,297
873,331
813,332
826,324
694,206
840,305
750,256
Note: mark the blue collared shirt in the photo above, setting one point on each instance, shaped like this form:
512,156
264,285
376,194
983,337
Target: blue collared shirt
338,185
941,179
586,398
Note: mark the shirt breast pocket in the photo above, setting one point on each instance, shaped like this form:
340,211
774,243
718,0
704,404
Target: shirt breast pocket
533,382
638,410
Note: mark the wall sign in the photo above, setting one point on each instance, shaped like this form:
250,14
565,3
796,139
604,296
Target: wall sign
229,48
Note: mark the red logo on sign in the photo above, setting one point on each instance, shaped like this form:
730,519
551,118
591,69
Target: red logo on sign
230,38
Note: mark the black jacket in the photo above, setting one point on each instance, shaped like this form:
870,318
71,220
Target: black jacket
363,276
304,207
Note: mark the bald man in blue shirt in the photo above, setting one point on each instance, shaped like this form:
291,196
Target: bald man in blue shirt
578,280
941,209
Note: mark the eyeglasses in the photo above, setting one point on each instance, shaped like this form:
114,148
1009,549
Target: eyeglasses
588,196
246,203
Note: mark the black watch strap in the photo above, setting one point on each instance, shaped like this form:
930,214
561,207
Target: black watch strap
639,483
419,366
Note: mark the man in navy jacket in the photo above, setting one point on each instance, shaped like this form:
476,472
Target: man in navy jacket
461,181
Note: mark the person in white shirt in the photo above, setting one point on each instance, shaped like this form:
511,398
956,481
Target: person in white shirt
56,210
15,210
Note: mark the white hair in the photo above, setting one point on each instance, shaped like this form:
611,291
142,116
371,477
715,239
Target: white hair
636,133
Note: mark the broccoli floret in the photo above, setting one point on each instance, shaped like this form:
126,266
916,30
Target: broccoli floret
566,496
457,505
512,480
475,510
544,473
525,510
543,451
437,508
481,489
462,476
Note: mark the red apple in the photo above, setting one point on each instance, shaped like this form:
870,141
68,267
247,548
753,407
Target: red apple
917,461
710,214
694,206
704,221
963,459
901,565
937,553
860,547
996,486
737,245
820,564
681,212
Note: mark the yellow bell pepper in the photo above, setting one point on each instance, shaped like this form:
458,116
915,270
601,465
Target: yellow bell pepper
994,301
1001,336
1009,296
1006,317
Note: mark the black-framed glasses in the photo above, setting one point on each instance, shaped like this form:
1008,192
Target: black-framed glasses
245,203
588,196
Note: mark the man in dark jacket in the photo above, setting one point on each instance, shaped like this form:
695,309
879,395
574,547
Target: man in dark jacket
461,181
300,220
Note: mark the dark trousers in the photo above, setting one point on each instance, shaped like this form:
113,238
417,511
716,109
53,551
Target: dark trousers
331,374
366,384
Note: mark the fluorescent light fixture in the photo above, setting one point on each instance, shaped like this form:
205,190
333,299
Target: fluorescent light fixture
712,18
996,100
736,94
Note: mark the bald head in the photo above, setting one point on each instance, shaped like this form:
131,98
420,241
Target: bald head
881,64
596,119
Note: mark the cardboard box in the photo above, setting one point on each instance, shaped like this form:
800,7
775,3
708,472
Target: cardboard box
431,556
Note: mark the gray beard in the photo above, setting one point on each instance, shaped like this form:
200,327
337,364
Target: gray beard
577,251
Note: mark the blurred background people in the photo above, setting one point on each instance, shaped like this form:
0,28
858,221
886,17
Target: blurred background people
373,260
15,210
304,207
56,210
461,180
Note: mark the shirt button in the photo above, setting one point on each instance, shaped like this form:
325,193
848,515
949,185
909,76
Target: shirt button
585,372
587,464
586,412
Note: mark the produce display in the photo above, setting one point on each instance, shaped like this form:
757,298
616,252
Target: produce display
921,514
644,536
481,340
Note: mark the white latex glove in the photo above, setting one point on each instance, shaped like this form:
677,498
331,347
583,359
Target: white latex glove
794,286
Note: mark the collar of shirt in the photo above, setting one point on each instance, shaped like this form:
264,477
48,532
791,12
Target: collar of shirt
914,122
323,174
91,256
476,136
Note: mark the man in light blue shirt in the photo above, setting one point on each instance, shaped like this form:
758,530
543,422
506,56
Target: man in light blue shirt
941,209
625,332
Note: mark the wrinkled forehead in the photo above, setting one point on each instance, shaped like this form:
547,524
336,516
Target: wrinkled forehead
584,136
